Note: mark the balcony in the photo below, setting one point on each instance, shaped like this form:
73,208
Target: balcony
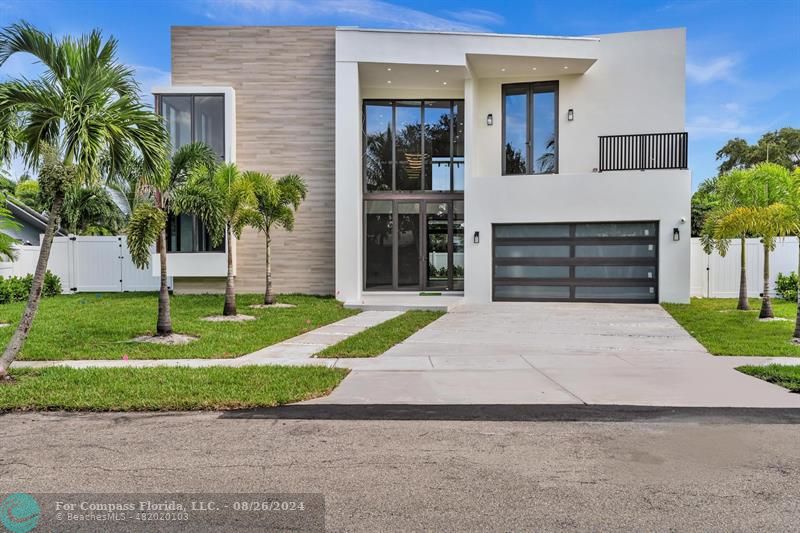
648,151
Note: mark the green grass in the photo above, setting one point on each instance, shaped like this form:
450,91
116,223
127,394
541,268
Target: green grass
164,388
100,326
723,330
785,376
377,339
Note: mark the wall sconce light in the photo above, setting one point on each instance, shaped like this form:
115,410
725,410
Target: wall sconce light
489,119
570,115
676,234
476,237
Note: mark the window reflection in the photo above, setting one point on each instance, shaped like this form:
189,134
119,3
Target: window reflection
414,145
530,136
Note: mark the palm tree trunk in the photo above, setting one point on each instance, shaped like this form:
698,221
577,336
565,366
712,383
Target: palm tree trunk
743,305
766,304
164,324
268,298
797,320
230,291
14,346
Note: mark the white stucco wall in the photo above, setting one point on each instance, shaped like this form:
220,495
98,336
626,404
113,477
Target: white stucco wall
636,85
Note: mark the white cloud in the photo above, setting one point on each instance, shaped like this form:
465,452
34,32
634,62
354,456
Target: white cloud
725,125
148,78
376,12
480,17
717,69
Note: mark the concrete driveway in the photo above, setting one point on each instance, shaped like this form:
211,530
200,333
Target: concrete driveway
554,353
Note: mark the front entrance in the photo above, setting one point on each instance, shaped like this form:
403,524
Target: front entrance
414,245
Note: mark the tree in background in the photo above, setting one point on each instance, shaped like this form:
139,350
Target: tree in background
781,147
85,104
277,202
7,242
177,186
28,192
90,210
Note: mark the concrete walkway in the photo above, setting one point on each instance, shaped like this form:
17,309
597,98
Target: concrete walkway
552,353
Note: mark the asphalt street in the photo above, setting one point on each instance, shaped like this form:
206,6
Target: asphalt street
465,469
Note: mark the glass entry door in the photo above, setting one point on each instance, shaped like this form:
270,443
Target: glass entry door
414,245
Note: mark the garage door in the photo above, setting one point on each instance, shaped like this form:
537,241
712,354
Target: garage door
587,262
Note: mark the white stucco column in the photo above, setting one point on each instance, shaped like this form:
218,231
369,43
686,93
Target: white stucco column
349,203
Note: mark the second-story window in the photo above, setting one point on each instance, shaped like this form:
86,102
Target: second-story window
530,128
414,145
193,118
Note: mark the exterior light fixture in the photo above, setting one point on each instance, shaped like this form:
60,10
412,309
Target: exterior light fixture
388,81
502,70
444,83
676,234
570,115
388,69
437,70
565,67
533,68
489,119
476,237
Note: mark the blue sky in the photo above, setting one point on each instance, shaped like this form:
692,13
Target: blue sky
743,58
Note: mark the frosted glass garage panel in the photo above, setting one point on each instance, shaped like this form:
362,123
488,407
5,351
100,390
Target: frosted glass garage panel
615,293
615,250
533,231
526,250
523,271
531,291
616,229
622,272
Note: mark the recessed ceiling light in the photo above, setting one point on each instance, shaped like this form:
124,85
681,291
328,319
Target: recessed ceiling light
502,70
388,81
388,69
533,68
565,67
437,70
444,83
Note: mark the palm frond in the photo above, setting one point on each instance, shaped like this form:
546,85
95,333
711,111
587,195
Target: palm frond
146,224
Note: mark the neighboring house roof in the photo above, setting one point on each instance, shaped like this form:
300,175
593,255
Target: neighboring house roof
29,216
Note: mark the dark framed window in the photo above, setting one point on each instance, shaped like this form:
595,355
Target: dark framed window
192,118
530,128
413,145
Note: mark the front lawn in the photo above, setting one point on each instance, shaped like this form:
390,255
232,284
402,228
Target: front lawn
785,376
377,339
101,326
164,388
723,330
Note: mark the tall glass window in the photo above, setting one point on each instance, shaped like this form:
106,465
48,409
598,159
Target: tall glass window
378,147
379,243
530,128
193,118
414,145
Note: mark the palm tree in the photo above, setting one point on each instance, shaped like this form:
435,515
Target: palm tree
767,187
90,210
277,202
179,186
85,104
732,191
7,242
792,227
236,192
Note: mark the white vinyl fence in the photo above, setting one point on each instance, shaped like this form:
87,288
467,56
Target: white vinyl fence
713,276
87,264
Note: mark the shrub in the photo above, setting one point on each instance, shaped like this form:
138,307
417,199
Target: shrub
786,286
17,289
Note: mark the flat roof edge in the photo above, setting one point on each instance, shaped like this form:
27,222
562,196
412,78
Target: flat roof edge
469,33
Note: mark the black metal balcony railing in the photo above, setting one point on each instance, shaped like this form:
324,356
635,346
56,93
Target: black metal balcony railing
647,151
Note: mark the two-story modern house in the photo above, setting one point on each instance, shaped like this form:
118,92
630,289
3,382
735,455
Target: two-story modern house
500,167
